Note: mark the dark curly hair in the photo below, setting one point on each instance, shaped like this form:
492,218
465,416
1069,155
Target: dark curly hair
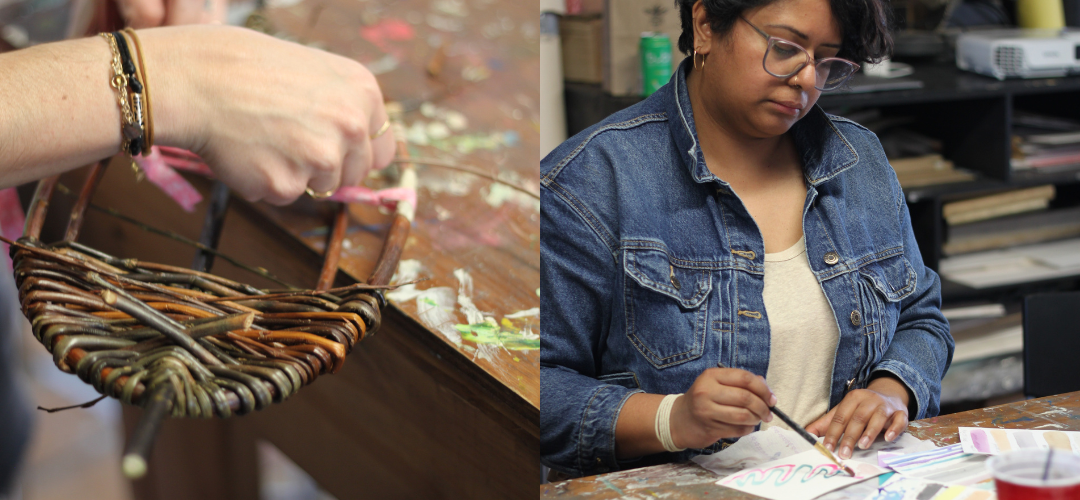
864,24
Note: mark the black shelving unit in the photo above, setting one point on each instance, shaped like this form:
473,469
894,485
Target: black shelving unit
970,114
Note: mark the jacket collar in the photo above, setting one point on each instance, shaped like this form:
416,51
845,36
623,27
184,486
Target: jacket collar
825,150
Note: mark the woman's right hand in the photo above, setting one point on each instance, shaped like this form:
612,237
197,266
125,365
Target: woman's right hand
722,403
270,117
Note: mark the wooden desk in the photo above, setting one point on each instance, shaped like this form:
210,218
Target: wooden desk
418,411
690,481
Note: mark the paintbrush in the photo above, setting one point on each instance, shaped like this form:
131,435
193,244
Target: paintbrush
812,440
806,435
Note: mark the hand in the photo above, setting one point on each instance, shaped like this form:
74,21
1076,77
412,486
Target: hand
141,14
270,117
863,414
722,403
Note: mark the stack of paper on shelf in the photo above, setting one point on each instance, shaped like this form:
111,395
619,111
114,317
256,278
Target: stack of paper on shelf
1045,143
1053,151
927,170
1022,264
998,205
978,339
1012,231
974,312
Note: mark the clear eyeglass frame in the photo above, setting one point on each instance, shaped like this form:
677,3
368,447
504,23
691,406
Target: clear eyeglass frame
823,68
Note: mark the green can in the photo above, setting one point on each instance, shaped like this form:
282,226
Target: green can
655,61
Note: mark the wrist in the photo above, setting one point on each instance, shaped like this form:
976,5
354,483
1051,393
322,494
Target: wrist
173,65
664,429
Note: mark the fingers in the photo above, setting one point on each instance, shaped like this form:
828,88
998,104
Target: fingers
858,428
746,380
873,429
819,426
215,12
142,13
898,422
841,415
357,163
366,152
741,407
383,147
858,420
179,12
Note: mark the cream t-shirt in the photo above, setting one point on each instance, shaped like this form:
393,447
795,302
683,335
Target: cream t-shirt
803,334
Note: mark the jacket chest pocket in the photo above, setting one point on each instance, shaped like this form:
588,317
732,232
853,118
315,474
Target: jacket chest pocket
666,315
882,285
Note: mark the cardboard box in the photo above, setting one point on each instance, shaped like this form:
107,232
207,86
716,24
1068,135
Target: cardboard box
582,48
624,22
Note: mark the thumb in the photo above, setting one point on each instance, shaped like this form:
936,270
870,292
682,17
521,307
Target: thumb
821,425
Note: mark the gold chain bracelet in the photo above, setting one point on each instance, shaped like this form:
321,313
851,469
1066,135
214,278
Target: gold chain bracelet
119,82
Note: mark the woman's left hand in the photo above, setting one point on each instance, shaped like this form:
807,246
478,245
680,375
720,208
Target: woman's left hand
863,414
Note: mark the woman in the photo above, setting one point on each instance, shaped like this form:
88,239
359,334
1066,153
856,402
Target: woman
727,221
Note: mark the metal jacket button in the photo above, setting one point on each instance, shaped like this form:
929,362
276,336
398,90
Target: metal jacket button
674,281
856,318
831,258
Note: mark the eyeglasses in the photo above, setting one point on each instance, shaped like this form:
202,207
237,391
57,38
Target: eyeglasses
783,59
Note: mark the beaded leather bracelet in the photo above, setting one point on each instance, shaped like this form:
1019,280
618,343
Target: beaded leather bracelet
129,94
140,69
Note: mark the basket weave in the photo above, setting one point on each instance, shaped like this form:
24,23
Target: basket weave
180,342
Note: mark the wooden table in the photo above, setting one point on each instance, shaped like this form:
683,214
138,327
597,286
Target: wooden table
690,481
430,406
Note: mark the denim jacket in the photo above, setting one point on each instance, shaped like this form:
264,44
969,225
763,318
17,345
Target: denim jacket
652,271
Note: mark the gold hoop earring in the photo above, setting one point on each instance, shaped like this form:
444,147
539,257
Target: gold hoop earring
702,60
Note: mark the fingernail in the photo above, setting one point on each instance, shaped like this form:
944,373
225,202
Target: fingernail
828,446
864,442
772,401
845,452
768,418
889,436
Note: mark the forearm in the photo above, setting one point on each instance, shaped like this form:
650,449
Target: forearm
635,433
58,112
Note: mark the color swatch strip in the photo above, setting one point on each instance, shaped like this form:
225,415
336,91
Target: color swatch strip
987,441
948,464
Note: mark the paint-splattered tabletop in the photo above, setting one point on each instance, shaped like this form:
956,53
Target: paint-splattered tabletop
690,481
465,78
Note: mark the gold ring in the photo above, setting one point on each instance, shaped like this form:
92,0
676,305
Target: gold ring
319,196
382,130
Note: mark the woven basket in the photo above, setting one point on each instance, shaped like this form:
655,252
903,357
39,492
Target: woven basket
181,342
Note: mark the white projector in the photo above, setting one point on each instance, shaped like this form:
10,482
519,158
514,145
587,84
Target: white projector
1023,53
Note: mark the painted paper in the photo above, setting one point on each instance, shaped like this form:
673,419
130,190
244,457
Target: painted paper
948,464
989,441
802,476
899,487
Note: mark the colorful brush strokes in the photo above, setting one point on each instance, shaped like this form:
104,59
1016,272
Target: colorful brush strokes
987,441
800,476
906,488
948,464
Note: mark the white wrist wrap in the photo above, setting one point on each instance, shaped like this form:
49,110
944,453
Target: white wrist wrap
663,423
